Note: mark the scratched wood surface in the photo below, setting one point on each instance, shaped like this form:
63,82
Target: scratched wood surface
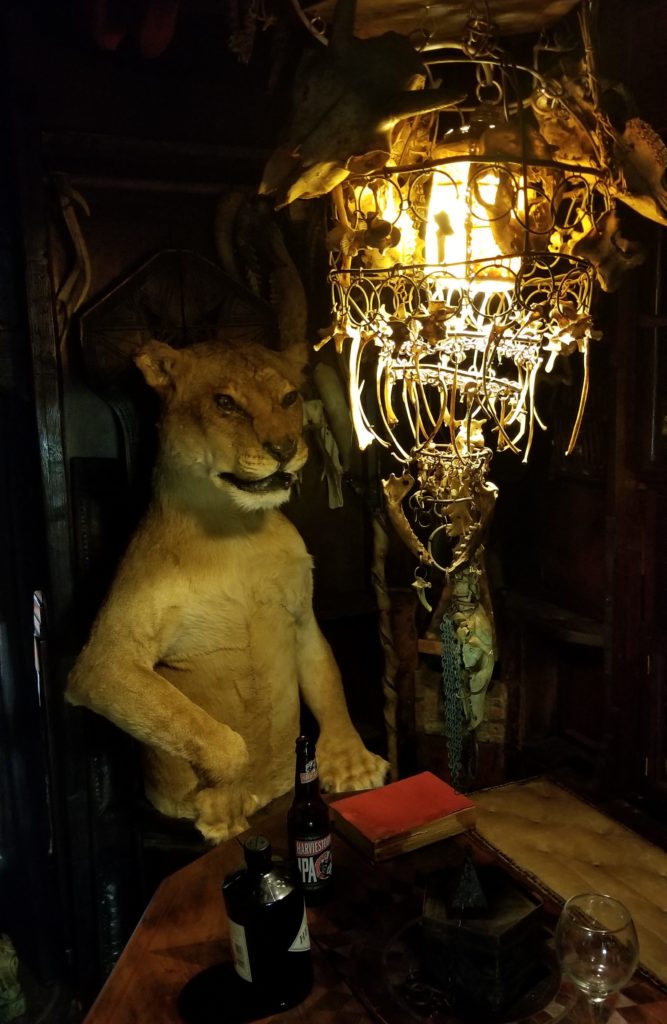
184,931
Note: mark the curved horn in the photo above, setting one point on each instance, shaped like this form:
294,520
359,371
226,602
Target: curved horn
420,101
342,24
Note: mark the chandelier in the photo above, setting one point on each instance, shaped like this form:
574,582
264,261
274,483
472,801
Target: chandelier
469,232
466,282
460,272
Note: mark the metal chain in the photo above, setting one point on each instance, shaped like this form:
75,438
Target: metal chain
452,678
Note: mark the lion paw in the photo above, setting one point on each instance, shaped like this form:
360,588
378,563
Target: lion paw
347,765
222,811
223,762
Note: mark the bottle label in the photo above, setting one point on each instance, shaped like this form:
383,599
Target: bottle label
309,773
302,941
237,938
313,858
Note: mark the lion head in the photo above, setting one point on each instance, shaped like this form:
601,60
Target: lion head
231,419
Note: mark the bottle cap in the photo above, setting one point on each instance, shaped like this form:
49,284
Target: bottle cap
257,852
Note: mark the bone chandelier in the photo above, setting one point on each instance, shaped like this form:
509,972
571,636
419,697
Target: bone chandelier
474,214
465,266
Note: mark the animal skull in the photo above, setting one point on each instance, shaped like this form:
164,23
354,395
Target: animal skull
347,99
642,157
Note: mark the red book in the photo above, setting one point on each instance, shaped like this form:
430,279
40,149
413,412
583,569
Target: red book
403,815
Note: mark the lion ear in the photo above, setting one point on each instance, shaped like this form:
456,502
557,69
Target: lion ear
157,361
296,358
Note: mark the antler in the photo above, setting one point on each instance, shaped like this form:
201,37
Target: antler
252,249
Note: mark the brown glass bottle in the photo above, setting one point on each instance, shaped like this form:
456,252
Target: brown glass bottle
308,827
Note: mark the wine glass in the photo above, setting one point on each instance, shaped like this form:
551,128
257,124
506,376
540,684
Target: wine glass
596,944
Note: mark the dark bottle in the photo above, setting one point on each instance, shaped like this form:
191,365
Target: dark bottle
308,827
268,930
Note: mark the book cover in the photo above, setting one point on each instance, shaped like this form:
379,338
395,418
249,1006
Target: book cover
403,815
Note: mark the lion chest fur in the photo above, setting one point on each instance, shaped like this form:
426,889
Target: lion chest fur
229,637
217,614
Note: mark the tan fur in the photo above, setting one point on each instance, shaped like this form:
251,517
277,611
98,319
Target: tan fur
208,634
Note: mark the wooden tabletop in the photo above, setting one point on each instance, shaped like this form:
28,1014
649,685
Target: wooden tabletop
184,931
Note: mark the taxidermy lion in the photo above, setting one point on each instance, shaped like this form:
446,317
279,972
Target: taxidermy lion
208,638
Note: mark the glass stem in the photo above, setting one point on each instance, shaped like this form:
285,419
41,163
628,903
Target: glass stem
599,1012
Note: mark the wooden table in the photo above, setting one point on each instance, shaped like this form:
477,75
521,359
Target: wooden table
184,930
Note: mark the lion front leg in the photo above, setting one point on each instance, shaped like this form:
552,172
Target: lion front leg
345,764
196,767
219,811
343,761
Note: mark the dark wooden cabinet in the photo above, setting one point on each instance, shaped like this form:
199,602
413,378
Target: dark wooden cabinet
586,611
582,540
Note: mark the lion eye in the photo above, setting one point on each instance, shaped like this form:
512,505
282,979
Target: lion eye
289,399
226,403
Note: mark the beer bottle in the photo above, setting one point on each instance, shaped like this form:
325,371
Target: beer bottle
268,931
308,827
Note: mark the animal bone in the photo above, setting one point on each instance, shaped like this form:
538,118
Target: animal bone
454,476
396,488
421,585
347,99
80,275
563,122
511,234
580,132
608,252
642,156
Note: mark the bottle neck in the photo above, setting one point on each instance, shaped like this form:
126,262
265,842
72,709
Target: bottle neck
306,778
257,851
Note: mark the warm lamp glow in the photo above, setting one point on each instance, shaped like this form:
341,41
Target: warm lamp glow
450,275
384,202
465,204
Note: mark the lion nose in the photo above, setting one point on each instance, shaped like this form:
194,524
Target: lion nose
281,450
